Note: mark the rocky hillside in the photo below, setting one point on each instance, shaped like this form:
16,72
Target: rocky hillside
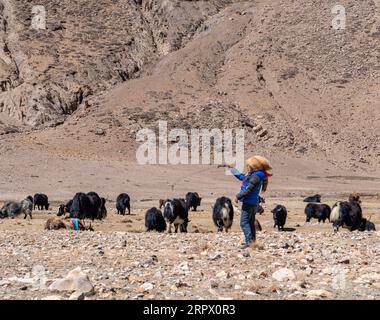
86,48
276,68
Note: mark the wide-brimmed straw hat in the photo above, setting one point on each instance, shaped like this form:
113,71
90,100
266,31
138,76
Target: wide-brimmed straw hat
259,163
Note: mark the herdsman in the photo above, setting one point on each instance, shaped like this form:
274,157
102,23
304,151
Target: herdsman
253,182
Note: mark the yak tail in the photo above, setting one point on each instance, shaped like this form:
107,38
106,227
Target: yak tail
335,213
224,214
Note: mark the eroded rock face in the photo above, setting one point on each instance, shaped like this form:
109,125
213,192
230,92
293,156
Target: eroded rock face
86,48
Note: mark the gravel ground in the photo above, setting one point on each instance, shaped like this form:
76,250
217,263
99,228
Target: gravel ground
132,265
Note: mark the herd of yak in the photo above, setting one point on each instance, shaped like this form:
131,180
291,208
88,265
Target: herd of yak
346,214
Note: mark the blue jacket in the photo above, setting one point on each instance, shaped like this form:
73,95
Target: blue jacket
250,187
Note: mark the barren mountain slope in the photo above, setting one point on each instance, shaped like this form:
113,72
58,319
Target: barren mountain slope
307,95
87,47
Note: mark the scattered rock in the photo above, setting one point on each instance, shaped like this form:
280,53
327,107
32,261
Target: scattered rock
184,266
77,295
147,287
215,257
345,260
222,274
263,274
319,293
76,280
376,285
53,297
272,274
263,133
258,128
100,132
284,274
246,254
